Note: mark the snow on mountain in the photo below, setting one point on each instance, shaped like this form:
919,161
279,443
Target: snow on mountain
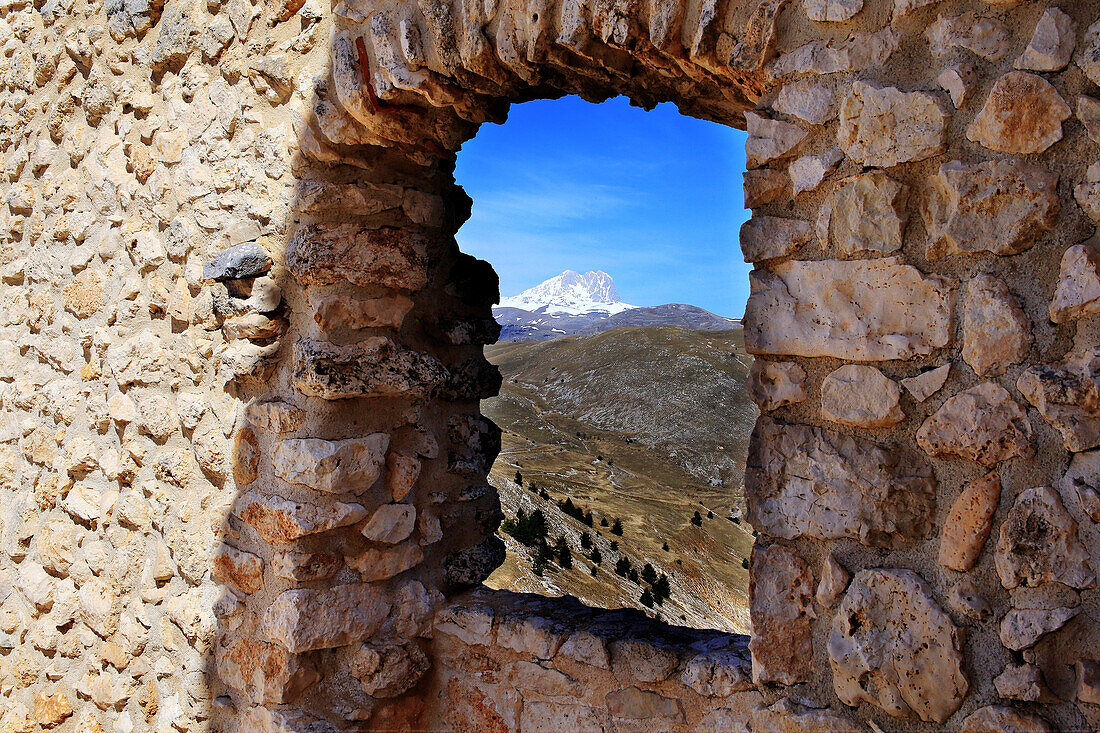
571,293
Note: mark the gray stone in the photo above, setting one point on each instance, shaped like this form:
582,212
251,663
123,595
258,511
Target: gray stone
865,214
809,171
966,600
996,718
927,383
1088,113
982,36
809,482
1022,628
861,396
996,332
633,703
332,466
834,580
958,80
855,52
393,258
1078,291
763,186
770,139
1067,395
1051,45
768,237
774,384
176,38
1019,682
280,520
373,367
1038,544
1088,57
789,717
982,424
831,10
807,100
241,262
892,646
882,127
391,523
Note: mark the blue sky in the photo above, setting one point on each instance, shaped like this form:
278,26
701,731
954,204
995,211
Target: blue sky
652,198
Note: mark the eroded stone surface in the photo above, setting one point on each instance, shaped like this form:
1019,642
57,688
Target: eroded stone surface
373,367
1019,682
996,332
861,396
831,10
265,672
982,424
280,520
391,523
885,126
333,466
770,139
1022,114
807,100
809,482
789,717
1067,395
866,310
1052,42
928,383
773,384
968,523
768,237
763,186
809,171
865,214
1023,627
1088,113
833,582
997,719
983,36
302,620
781,590
323,255
994,206
892,646
1038,543
856,51
1088,57
1078,292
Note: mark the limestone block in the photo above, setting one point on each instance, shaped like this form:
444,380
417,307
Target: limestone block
50,710
865,214
789,717
1078,291
1038,543
884,126
1088,681
632,703
643,660
718,673
763,186
781,590
773,384
807,100
861,396
84,296
834,580
332,466
275,416
857,51
809,171
391,523
37,586
246,457
305,566
1088,56
966,600
385,670
996,206
809,482
100,607
374,367
265,672
1083,479
340,312
996,718
1019,682
891,645
927,383
1067,395
178,28
280,520
382,563
1022,628
996,332
393,258
959,81
303,619
768,237
866,310
242,570
1087,194
1022,114
539,715
1088,113
402,471
982,424
769,139
968,523
982,36
831,10
1052,43
140,359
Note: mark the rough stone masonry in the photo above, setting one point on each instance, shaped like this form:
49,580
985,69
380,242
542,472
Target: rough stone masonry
242,468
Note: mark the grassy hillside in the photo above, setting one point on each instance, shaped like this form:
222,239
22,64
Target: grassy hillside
647,425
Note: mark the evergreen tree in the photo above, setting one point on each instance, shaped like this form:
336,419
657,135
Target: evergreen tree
697,520
647,598
586,541
565,555
649,575
596,557
661,589
665,547
614,545
519,478
588,518
595,571
633,576
617,527
603,521
622,567
710,514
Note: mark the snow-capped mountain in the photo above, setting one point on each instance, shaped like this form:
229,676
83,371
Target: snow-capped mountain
574,304
571,293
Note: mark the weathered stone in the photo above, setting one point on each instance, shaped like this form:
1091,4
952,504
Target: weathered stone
1038,544
968,523
1051,45
246,457
807,100
275,416
884,126
333,466
865,214
50,710
773,384
391,523
305,566
392,258
768,237
1022,628
1088,113
996,332
302,620
337,312
718,673
546,717
959,81
998,719
857,51
966,600
280,520
809,482
865,310
265,672
632,703
402,471
892,646
1088,681
1087,194
928,383
384,670
770,139
831,10
244,261
1022,114
834,579
763,186
1088,57
982,424
242,570
176,39
381,563
809,171
861,396
789,717
1083,479
1019,682
996,206
374,367
781,590
1067,395
982,36
644,660
84,295
1078,292
472,565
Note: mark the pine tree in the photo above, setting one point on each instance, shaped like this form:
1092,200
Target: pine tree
519,478
617,527
649,575
661,589
622,567
633,576
603,521
596,557
710,514
614,545
586,541
588,518
647,598
565,555
665,547
595,571
697,520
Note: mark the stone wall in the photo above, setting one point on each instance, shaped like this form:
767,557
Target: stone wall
242,464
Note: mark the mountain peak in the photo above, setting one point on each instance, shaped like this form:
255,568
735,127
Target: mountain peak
572,293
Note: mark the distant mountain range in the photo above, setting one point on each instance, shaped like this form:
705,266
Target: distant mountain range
574,304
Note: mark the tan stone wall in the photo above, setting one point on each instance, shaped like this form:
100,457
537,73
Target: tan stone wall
242,465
